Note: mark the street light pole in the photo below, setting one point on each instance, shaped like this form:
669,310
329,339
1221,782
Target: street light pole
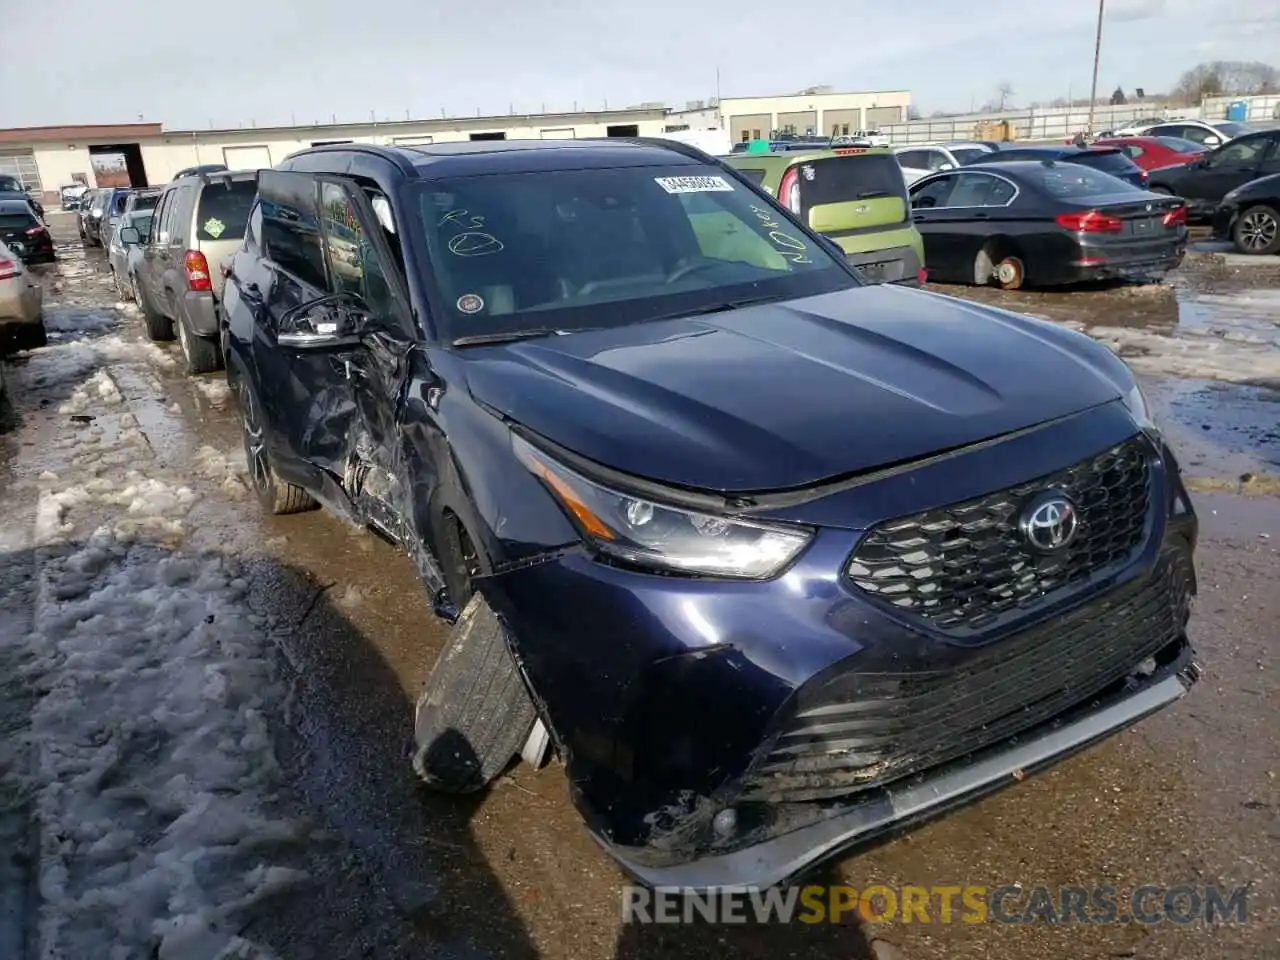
1097,52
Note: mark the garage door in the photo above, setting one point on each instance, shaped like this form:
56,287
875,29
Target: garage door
247,158
21,164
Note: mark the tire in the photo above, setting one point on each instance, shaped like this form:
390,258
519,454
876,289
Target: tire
1257,230
159,327
203,354
1010,273
276,496
475,714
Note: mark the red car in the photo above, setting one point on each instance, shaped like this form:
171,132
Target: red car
1152,152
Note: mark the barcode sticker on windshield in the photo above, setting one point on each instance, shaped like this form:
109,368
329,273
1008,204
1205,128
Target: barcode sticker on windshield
694,184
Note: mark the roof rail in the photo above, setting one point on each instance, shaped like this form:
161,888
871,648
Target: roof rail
675,146
390,154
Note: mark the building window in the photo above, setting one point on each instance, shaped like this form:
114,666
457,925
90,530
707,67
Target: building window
755,134
675,127
844,129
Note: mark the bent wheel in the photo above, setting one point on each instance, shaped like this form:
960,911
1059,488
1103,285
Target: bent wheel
1010,273
475,713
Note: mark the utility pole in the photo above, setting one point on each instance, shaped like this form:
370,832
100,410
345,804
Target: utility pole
1097,53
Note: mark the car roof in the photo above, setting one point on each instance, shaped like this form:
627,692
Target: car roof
1061,153
476,157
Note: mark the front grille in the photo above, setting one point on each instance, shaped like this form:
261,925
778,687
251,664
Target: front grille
964,565
862,730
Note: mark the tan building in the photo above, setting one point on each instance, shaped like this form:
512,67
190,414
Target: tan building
46,158
817,111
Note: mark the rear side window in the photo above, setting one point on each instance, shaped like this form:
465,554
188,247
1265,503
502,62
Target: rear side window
842,179
146,203
224,209
1076,180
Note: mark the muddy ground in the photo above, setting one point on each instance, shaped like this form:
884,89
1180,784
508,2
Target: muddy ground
280,708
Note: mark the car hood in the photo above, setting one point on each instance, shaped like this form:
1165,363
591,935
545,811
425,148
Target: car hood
783,395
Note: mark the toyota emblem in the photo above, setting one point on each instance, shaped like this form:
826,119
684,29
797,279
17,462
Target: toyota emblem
1049,522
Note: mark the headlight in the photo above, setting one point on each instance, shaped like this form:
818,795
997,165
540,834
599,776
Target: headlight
1139,409
653,535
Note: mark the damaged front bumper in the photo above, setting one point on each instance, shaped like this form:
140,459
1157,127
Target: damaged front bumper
726,734
776,860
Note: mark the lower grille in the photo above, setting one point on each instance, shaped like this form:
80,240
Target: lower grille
964,565
863,730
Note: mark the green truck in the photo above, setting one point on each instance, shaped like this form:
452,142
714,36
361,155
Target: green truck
854,195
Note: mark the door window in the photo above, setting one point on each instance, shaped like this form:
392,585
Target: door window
290,227
354,266
977,190
164,217
914,159
1198,134
1247,152
933,194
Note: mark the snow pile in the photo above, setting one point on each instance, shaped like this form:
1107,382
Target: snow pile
223,470
154,770
1233,360
215,391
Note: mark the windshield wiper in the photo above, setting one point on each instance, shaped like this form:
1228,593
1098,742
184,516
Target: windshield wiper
868,194
724,306
503,336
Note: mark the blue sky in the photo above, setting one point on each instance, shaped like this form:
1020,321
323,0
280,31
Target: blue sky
232,61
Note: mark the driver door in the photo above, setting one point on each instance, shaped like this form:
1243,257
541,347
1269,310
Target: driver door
1226,168
334,343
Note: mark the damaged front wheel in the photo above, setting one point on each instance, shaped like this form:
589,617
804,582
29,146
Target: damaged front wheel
475,713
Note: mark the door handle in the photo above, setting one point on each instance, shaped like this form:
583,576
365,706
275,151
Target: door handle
981,216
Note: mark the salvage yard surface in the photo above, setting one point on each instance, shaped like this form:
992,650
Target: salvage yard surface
205,715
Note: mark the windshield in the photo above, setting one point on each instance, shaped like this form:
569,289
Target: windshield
10,185
1076,180
1114,162
574,249
1233,129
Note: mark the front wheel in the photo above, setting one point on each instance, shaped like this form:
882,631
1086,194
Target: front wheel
475,714
1257,230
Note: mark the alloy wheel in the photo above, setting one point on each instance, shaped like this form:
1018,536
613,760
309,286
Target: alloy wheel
1258,230
255,448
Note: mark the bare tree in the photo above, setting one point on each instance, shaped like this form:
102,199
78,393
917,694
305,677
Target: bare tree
913,113
1228,78
1004,91
1118,98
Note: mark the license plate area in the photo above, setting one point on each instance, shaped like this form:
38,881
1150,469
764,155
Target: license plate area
1146,226
880,271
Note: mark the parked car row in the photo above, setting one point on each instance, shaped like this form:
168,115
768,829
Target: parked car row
624,379
21,302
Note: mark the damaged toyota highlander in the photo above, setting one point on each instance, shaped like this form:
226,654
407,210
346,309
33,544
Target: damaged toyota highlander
772,560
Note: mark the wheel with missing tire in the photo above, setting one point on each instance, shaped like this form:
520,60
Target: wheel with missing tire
1010,273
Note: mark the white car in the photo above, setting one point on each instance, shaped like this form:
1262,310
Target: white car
917,162
21,305
1210,133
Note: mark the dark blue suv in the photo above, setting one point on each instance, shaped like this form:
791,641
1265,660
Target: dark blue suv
772,559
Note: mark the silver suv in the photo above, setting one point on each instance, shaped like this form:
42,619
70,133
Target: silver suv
197,226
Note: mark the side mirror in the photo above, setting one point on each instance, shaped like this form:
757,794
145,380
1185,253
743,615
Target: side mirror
1212,141
129,236
946,166
329,323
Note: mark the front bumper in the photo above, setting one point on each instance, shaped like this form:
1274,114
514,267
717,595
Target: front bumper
782,858
1224,221
670,698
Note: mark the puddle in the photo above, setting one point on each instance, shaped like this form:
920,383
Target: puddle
1224,433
